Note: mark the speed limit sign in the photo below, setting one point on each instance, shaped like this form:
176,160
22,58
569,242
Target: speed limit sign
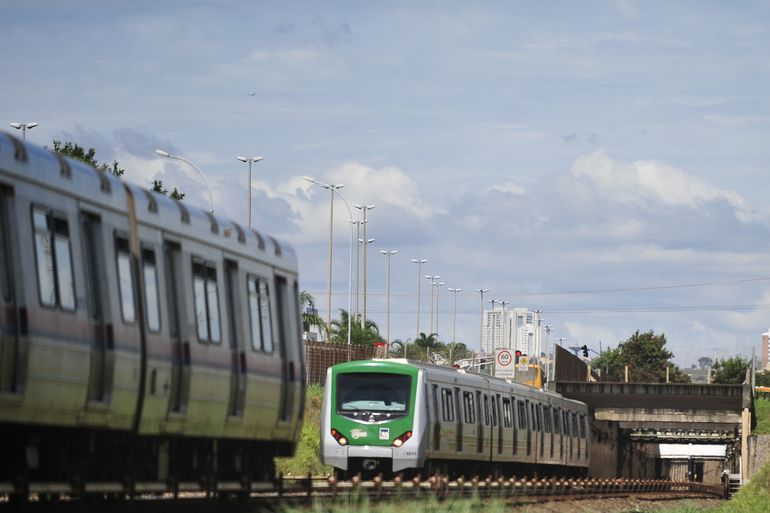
504,363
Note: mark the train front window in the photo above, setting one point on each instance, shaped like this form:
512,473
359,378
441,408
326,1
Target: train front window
373,394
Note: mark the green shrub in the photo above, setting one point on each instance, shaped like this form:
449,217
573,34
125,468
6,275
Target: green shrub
307,457
762,410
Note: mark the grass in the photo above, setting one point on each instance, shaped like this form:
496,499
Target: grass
307,457
762,410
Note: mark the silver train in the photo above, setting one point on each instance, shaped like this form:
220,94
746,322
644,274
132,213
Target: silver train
395,416
140,339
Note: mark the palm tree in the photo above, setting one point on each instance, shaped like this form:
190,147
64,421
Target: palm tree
427,341
366,336
310,315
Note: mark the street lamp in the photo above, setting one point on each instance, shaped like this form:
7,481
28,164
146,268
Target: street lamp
419,262
336,189
358,261
437,285
364,208
250,160
163,153
24,127
454,311
432,280
493,301
332,188
388,254
548,329
481,319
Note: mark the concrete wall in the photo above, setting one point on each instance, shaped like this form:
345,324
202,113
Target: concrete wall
615,456
759,453
678,470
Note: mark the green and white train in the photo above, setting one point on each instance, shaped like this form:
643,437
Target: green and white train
395,416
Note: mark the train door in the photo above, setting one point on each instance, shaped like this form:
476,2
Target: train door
469,414
237,398
12,351
530,422
556,432
459,446
102,346
568,435
479,425
497,419
284,331
436,424
180,349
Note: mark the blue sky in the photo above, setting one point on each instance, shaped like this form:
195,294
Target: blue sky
603,161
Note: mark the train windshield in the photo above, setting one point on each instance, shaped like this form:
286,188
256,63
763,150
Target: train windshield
373,393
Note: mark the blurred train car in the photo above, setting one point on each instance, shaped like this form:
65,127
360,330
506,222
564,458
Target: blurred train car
140,339
395,416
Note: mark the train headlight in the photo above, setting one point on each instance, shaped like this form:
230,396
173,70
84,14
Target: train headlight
339,437
399,441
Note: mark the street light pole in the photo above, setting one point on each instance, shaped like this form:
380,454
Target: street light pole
481,319
388,254
24,127
494,344
432,280
332,188
336,189
437,285
249,160
419,262
454,312
358,261
364,208
163,153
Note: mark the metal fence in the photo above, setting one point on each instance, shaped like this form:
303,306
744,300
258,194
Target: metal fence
319,356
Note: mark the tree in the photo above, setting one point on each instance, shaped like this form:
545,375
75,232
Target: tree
647,359
157,186
704,362
427,341
77,152
365,336
762,379
310,317
731,371
89,157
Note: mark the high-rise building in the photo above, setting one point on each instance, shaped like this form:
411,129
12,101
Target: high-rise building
515,329
765,354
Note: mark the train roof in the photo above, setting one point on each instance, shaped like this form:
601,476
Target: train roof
46,168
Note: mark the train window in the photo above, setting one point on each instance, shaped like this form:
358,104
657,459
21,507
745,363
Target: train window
538,415
582,425
56,284
206,295
574,425
521,413
151,299
507,413
447,405
566,423
259,314
556,415
373,394
547,419
486,410
125,280
535,419
469,408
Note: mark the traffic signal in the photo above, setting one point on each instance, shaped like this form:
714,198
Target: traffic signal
585,351
518,354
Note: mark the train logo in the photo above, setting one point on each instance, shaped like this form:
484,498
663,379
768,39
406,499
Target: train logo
384,434
359,433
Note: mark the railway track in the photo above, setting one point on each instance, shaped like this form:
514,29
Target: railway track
293,490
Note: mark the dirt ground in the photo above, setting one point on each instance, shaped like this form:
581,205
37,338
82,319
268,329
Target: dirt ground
618,505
